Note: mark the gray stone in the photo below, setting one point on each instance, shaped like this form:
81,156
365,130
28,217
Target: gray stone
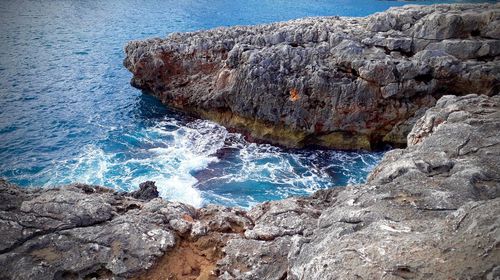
428,211
328,81
78,230
146,191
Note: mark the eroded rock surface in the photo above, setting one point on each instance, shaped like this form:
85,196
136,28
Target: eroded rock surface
430,211
146,191
90,232
329,81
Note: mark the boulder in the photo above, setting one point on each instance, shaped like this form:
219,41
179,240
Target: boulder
147,191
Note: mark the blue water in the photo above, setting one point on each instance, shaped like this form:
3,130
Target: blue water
68,113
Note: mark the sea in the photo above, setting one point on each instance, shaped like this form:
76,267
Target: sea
68,113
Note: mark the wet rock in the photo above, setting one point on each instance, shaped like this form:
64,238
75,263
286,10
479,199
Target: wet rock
146,191
328,81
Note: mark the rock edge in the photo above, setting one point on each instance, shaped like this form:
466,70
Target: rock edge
346,83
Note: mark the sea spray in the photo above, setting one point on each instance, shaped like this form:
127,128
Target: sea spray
199,162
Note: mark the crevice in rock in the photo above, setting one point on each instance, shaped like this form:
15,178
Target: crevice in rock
101,273
388,51
350,71
475,33
66,275
426,78
351,221
486,58
274,237
20,242
404,271
436,209
462,145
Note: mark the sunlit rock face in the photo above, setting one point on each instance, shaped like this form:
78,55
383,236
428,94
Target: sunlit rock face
428,211
335,82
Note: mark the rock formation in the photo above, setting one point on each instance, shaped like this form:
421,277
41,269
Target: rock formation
90,232
430,211
146,191
329,81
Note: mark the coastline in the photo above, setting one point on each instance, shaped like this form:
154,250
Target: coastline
438,199
335,82
430,210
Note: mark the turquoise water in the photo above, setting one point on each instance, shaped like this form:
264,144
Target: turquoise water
68,113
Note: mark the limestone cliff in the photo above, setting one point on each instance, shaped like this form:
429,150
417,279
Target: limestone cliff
329,81
430,211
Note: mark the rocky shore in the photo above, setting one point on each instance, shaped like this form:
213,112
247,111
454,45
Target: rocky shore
430,211
404,77
338,82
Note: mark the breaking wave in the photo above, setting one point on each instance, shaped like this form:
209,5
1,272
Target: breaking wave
200,162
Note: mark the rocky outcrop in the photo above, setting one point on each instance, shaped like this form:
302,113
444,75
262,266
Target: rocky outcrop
146,191
90,232
430,211
328,81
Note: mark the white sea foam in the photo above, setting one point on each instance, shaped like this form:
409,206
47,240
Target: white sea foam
269,164
190,148
170,153
174,154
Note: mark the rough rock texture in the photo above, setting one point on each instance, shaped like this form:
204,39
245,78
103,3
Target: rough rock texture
430,211
328,81
89,232
146,191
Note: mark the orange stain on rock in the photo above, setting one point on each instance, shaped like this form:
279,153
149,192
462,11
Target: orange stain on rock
294,95
187,218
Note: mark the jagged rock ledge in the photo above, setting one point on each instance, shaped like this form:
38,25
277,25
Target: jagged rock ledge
430,211
337,82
